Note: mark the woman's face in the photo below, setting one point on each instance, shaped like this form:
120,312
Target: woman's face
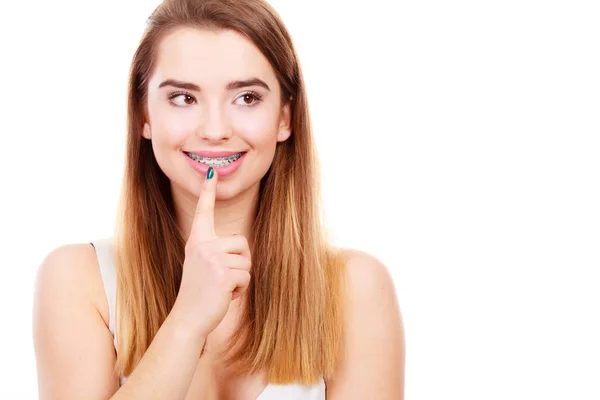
195,105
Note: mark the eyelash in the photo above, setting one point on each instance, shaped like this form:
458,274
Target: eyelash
256,95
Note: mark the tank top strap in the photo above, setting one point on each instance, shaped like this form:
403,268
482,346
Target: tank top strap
105,255
106,261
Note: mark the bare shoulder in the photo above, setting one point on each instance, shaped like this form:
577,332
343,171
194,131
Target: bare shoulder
72,269
73,345
367,276
371,292
372,354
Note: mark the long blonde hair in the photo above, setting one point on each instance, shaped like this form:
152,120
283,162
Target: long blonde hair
292,324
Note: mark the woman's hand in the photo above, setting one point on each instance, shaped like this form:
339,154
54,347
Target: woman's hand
216,270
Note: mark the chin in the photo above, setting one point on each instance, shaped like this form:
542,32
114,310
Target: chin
225,193
227,190
230,189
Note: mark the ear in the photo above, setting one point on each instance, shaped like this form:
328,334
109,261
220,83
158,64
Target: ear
285,129
147,133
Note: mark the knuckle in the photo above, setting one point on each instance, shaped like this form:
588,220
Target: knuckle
221,276
247,277
221,280
213,258
239,240
199,251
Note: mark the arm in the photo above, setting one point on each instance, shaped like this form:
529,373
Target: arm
372,356
74,347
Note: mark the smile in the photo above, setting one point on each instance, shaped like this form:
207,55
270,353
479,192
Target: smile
216,162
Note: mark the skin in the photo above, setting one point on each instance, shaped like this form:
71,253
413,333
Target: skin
73,344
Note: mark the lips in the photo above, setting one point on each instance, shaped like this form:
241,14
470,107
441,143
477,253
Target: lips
222,171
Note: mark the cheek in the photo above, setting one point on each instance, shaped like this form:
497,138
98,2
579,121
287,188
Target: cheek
170,126
175,129
260,131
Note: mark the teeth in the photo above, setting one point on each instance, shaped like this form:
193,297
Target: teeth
215,162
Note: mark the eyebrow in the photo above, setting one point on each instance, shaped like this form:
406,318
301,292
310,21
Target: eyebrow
230,86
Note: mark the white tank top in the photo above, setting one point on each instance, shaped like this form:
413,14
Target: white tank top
104,252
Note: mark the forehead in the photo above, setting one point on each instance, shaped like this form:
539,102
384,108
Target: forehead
208,58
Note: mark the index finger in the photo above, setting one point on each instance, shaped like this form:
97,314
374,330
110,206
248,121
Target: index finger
203,226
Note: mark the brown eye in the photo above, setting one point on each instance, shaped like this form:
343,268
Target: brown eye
250,99
176,99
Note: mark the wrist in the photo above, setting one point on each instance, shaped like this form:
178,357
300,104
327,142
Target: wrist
184,325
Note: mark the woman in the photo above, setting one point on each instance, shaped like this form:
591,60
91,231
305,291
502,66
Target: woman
219,282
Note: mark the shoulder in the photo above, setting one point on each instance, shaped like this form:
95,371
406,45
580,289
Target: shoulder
366,275
72,343
370,291
371,360
70,272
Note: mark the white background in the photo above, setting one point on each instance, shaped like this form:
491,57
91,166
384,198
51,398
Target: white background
481,123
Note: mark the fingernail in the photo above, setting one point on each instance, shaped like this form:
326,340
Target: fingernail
210,173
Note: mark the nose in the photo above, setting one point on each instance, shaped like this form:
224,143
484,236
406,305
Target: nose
214,125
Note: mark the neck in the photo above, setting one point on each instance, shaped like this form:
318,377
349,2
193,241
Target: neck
232,216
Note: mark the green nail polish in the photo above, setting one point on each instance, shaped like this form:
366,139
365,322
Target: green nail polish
210,173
